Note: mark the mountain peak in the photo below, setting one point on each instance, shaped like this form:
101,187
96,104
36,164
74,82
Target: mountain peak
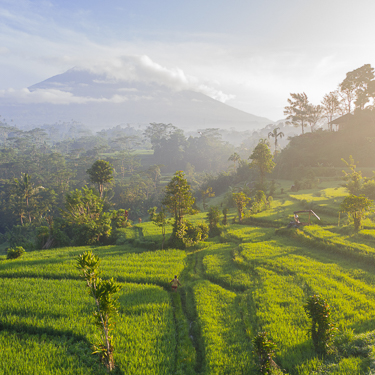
102,100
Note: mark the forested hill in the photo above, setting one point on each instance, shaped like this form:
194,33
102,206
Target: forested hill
323,148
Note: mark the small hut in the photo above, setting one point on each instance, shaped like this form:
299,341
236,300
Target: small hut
341,121
296,218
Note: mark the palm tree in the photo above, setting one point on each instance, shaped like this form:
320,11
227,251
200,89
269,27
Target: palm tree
25,190
275,134
297,112
235,158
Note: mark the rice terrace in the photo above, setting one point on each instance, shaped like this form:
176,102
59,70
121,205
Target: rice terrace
251,277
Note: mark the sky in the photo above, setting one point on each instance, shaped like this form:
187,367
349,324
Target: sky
250,54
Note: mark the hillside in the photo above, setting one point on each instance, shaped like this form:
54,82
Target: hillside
326,149
101,102
251,278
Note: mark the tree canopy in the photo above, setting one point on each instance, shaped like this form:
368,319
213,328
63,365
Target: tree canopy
262,160
101,172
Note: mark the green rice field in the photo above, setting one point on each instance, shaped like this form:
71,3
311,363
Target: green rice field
253,277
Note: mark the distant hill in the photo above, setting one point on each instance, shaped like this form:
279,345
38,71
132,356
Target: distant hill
326,149
99,102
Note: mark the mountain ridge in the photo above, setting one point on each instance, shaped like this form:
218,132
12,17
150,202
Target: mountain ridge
101,102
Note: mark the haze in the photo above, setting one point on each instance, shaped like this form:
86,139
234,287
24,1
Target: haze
248,54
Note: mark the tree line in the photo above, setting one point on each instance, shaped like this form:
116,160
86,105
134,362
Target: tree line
355,93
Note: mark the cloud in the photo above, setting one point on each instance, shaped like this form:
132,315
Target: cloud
132,68
53,96
4,50
141,68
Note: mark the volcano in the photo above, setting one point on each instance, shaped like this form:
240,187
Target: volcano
101,102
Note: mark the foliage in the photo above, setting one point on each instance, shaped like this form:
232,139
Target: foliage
356,207
104,293
275,134
84,213
264,348
325,150
14,253
262,160
206,193
368,189
241,200
101,172
322,328
178,197
188,234
330,107
213,217
298,110
22,235
354,178
160,219
235,157
24,197
355,88
178,200
260,202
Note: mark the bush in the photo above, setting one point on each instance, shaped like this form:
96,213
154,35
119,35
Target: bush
264,348
186,235
213,217
14,253
322,328
22,235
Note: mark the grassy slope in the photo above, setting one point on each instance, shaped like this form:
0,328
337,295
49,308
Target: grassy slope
248,279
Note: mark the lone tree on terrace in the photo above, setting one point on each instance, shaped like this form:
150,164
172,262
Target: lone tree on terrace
105,294
262,160
356,207
178,198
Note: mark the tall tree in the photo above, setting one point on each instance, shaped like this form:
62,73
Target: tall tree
330,107
84,213
356,207
314,115
275,134
235,158
101,172
26,192
241,200
297,111
262,160
168,143
354,87
178,197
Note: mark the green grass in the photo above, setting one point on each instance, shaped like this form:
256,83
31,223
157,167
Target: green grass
124,263
49,317
227,347
248,279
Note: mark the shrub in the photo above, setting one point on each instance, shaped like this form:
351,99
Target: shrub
13,253
105,294
264,348
186,235
213,217
22,235
322,328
